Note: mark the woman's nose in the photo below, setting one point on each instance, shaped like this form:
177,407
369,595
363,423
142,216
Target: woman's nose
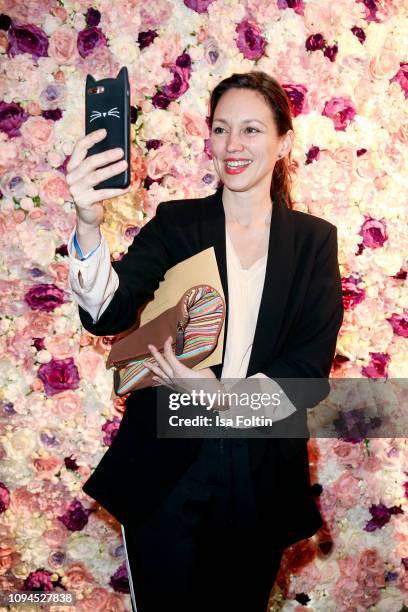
234,142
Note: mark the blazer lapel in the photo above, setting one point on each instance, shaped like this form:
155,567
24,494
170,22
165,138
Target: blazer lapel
278,275
278,279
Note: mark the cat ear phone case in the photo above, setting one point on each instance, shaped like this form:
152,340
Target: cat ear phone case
107,105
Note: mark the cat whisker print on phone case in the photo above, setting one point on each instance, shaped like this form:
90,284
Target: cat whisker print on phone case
112,112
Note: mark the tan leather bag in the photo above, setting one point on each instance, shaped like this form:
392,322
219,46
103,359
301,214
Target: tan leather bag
194,323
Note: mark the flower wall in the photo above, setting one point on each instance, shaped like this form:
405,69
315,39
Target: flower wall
344,67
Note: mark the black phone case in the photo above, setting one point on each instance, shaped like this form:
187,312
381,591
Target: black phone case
107,105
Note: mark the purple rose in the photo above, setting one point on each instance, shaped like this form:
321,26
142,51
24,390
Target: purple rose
371,10
120,581
331,52
93,17
75,517
381,516
402,78
352,294
184,61
159,100
111,429
40,580
359,33
179,84
27,38
90,39
146,38
377,368
297,97
70,463
374,233
55,114
4,497
312,154
59,375
45,296
340,111
400,275
39,344
315,42
296,5
153,143
250,40
400,323
12,116
199,6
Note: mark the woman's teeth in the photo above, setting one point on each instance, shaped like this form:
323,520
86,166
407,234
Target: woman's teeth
238,163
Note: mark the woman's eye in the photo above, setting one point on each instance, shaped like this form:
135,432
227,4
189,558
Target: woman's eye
220,128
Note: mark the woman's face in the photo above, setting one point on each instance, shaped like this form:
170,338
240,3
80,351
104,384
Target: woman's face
244,129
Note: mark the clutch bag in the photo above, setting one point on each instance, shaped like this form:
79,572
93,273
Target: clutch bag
194,323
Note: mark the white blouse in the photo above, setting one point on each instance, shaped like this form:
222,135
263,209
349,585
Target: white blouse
244,295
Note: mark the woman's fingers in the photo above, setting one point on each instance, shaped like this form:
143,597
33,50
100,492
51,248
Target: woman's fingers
162,361
81,148
106,194
92,163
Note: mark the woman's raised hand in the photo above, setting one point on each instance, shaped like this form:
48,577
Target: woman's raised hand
86,172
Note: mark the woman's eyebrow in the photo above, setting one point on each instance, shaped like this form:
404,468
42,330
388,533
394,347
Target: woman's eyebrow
244,121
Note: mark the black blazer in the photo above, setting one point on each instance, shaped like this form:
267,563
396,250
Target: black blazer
301,311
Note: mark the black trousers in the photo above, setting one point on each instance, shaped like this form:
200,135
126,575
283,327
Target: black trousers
204,547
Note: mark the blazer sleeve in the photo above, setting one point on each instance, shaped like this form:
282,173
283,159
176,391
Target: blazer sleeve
309,351
140,272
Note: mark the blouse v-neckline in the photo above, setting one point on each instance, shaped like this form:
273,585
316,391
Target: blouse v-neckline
237,262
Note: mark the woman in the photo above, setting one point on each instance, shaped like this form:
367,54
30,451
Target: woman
207,521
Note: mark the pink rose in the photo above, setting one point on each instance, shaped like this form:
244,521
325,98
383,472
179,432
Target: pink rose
34,108
372,463
115,603
47,467
340,110
89,362
6,561
56,535
66,404
63,46
344,156
77,577
159,162
60,346
96,600
85,471
348,454
24,502
346,490
54,189
195,125
384,65
38,133
39,324
59,271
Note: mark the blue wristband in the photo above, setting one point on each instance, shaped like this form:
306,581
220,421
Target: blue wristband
78,249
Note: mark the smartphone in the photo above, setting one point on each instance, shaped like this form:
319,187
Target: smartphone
107,105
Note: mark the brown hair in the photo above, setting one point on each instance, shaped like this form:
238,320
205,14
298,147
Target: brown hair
276,97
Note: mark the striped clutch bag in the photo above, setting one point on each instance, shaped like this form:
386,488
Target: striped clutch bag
194,323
